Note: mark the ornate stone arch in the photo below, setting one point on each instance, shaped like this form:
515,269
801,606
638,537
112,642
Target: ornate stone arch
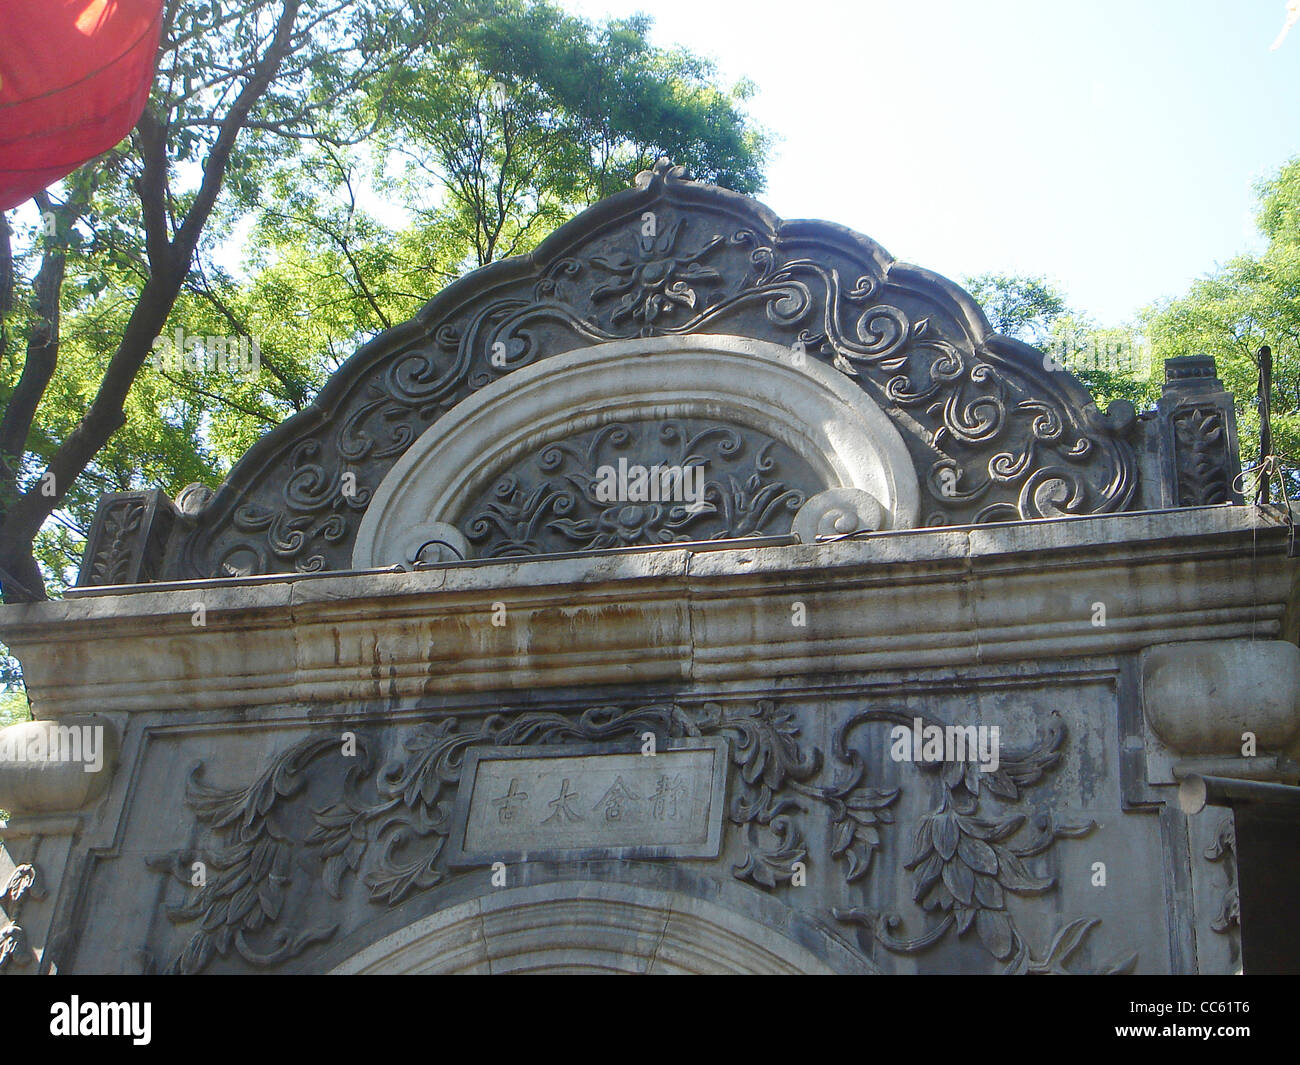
993,431
599,927
787,437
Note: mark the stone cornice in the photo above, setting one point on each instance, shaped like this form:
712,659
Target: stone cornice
946,598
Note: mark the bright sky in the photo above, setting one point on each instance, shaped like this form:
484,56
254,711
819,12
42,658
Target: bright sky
1111,145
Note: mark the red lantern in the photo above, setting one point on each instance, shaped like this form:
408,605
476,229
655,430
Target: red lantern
74,77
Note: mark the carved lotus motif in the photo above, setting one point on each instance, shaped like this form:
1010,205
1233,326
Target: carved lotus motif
642,523
655,278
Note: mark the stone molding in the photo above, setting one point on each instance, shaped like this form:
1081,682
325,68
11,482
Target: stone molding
581,926
901,600
820,414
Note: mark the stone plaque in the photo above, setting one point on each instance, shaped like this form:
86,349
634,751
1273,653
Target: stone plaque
575,803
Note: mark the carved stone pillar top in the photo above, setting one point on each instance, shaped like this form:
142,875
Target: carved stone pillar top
128,540
1225,707
1198,435
1192,373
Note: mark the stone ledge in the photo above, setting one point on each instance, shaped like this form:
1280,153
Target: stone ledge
888,601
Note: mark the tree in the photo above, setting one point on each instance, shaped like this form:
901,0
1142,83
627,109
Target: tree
1017,306
1250,302
237,85
269,126
1110,360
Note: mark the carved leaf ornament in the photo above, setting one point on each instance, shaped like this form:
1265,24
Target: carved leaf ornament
387,829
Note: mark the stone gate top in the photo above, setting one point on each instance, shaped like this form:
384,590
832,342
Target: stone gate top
805,382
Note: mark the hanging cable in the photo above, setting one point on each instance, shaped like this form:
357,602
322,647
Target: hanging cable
1268,470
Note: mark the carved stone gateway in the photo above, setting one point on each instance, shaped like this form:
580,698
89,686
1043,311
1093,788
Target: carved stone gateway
991,430
702,592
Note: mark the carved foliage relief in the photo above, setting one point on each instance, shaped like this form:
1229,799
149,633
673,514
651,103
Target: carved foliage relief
720,481
1202,456
994,433
320,822
1227,914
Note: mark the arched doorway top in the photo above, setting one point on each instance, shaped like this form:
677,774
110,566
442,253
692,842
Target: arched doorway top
995,429
591,927
716,401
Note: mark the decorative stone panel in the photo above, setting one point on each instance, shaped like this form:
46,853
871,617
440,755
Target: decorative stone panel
128,539
994,429
514,467
1198,435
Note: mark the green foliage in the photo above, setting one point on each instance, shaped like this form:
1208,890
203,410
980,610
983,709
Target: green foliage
400,146
1110,361
1025,308
1249,302
13,707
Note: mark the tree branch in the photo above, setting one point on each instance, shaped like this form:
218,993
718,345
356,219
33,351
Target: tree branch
42,355
107,411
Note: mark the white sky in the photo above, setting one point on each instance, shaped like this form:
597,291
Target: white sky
1109,145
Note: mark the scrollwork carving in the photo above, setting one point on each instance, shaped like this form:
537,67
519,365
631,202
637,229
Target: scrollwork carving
1224,850
698,482
995,435
22,882
13,946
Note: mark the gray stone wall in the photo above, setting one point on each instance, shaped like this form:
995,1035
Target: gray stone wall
323,785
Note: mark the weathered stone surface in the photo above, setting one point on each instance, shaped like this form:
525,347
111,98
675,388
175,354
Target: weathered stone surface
58,765
326,770
973,626
1184,684
626,929
517,805
1223,706
947,597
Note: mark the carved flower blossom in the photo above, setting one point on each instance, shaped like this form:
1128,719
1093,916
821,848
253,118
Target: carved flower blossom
655,278
628,524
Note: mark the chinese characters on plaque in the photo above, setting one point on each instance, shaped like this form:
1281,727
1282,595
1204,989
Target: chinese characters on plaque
522,801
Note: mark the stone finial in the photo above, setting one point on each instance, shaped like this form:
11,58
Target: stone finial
128,540
1198,438
663,170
